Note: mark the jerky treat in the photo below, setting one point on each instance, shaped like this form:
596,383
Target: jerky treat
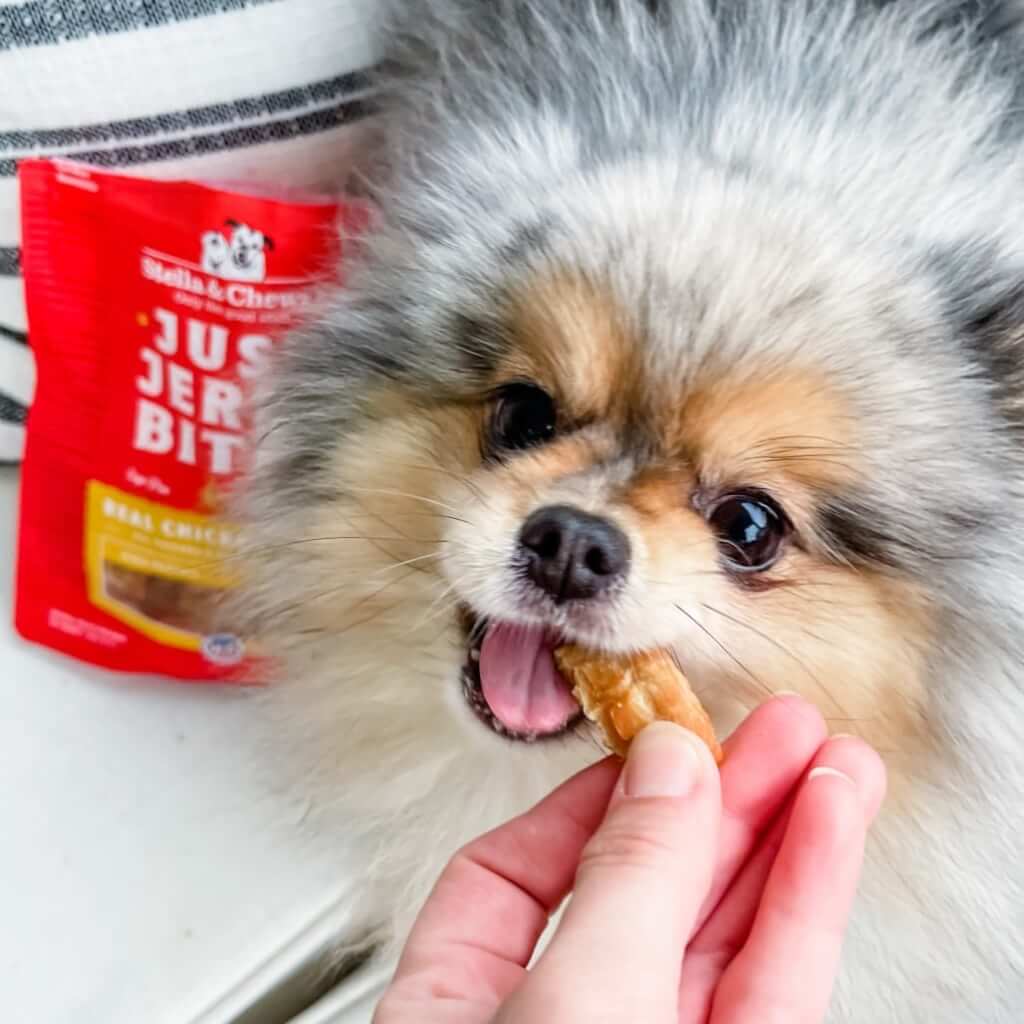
153,306
623,693
178,604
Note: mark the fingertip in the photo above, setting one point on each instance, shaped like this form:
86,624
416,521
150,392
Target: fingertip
665,760
828,815
858,762
792,703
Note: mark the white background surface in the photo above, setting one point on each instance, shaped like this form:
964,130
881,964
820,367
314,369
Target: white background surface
150,875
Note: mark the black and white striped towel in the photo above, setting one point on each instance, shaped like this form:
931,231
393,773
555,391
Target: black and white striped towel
269,91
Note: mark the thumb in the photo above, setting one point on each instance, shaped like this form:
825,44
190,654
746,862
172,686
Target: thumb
641,881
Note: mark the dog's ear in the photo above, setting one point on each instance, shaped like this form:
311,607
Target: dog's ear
268,242
232,223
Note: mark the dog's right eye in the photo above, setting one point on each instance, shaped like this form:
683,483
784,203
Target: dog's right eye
524,416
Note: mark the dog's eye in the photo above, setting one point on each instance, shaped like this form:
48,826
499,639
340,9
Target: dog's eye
524,416
750,529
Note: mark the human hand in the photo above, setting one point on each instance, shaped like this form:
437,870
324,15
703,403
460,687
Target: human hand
698,897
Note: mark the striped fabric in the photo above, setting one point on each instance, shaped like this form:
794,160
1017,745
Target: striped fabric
266,92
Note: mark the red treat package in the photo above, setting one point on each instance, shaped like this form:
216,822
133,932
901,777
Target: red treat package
151,304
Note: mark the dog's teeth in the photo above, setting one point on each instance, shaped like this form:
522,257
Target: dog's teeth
474,655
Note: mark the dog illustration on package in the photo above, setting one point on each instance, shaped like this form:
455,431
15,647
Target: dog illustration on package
239,255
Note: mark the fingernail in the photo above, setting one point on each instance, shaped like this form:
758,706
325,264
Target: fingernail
825,770
796,702
663,761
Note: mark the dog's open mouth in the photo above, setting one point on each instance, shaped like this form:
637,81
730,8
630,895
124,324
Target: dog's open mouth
511,683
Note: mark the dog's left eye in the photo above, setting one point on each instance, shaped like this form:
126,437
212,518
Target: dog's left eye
524,416
751,529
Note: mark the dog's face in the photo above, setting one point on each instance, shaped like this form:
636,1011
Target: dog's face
247,246
729,443
215,250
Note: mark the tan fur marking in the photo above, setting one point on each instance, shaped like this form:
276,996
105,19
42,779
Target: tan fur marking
788,423
852,643
861,638
573,339
658,495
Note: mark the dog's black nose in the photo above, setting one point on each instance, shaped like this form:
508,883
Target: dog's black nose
571,554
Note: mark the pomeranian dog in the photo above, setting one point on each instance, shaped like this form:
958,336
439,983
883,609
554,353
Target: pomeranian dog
684,323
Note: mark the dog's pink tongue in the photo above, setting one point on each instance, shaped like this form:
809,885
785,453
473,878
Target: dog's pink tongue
520,682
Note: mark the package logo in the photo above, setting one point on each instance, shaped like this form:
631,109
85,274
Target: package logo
223,649
238,253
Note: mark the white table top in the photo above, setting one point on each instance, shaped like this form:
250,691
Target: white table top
148,875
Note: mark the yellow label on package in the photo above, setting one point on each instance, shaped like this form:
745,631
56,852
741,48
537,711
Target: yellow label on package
158,569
